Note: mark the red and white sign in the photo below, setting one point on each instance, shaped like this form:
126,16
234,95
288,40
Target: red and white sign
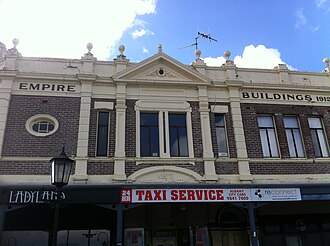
129,195
184,195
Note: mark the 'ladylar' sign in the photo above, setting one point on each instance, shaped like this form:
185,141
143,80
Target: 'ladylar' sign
209,195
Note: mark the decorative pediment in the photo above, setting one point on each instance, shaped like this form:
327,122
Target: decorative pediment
161,68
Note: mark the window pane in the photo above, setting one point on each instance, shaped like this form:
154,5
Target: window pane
264,143
221,140
265,121
183,142
299,143
315,141
290,139
174,142
178,135
314,122
323,144
149,134
219,120
102,134
154,141
144,141
272,142
290,122
149,119
177,119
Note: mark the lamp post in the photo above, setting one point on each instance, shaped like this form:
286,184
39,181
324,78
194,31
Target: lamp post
61,169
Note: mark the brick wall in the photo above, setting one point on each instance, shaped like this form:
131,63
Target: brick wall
100,168
18,142
229,168
281,168
254,149
93,129
27,168
197,129
130,142
251,130
230,133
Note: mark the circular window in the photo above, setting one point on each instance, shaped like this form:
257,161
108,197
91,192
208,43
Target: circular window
41,125
161,72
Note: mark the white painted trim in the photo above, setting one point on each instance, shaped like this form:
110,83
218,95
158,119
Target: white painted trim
39,117
103,105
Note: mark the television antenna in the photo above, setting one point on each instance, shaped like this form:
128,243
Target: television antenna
203,35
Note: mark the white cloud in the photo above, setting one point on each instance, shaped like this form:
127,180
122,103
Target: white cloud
252,57
144,50
140,33
63,28
301,19
316,28
321,3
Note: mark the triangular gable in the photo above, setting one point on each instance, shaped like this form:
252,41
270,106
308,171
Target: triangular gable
161,67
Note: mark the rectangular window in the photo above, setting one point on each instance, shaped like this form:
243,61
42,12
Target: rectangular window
318,137
268,136
102,134
293,136
149,134
178,135
221,134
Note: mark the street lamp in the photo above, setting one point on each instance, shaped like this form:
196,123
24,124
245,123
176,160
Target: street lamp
61,169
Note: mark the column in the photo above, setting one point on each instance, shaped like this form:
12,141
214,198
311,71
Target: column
5,95
119,168
243,162
208,155
84,121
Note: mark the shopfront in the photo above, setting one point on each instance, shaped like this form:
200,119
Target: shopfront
165,215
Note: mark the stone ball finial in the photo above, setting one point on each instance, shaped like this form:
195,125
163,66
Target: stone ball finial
15,42
326,61
121,49
198,54
160,48
89,46
227,54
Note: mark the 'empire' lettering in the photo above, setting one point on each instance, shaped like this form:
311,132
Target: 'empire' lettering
46,87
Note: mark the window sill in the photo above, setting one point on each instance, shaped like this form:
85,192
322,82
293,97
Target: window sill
166,160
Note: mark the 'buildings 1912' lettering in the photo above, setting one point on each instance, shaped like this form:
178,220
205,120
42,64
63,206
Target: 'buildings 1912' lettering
276,96
47,87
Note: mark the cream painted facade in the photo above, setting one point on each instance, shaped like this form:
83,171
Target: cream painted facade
122,80
72,93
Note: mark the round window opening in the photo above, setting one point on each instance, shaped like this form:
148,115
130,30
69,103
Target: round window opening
41,125
161,72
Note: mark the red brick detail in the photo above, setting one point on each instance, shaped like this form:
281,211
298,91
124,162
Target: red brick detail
130,135
222,168
196,129
18,142
93,129
251,130
288,168
27,168
100,168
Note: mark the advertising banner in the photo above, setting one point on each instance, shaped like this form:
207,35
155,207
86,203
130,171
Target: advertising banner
129,195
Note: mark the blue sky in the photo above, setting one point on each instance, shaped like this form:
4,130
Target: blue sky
259,33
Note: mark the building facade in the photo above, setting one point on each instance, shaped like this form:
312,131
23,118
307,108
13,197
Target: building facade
165,153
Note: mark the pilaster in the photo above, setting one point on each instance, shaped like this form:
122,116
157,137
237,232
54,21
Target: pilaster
120,156
242,157
86,81
208,156
6,84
